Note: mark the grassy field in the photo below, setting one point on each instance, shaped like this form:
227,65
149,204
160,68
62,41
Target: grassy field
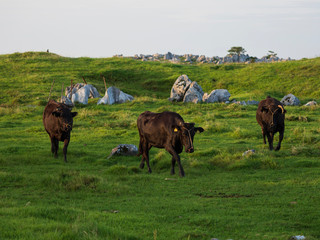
267,195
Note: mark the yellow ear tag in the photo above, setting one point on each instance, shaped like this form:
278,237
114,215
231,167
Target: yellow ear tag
175,130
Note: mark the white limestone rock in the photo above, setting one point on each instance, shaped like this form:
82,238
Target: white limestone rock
311,103
114,95
179,88
194,93
290,100
218,95
81,95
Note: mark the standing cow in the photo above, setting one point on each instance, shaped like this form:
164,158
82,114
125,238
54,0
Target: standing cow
165,130
270,116
58,120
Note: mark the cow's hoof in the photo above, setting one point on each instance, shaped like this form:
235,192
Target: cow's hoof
142,165
149,171
172,172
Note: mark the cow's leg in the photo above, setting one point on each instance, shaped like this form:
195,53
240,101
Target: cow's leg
147,157
56,147
65,147
173,163
177,158
280,140
270,140
264,135
141,151
52,145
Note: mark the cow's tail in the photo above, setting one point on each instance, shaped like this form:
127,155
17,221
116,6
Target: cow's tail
140,148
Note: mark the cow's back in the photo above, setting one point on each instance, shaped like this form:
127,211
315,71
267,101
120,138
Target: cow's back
150,122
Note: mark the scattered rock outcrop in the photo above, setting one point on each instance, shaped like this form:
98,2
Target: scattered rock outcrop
191,58
185,90
114,95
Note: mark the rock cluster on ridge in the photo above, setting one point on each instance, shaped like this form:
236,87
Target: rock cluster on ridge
191,58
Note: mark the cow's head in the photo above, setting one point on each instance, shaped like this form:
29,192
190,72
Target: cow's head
186,131
274,113
64,117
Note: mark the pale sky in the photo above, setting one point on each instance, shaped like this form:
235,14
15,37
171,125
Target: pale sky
103,28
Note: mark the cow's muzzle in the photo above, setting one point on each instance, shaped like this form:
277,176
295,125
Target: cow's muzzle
68,127
190,150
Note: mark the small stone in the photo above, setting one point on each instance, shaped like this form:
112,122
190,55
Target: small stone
311,103
124,150
249,152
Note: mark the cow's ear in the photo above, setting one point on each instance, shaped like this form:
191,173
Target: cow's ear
189,125
56,113
199,129
73,114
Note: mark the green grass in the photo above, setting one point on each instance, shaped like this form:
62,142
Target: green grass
267,195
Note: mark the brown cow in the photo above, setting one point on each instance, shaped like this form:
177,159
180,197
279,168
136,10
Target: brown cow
165,130
58,120
270,116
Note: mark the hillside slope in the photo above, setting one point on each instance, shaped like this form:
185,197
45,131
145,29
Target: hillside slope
26,77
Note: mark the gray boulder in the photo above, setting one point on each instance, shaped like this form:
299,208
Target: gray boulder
252,102
194,93
81,95
290,100
239,102
93,92
66,101
168,56
114,95
75,88
218,95
179,88
124,150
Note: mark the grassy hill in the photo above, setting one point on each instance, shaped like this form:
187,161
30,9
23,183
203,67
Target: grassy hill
27,77
268,195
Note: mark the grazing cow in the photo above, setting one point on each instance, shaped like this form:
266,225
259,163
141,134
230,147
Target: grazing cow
270,116
165,130
58,120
